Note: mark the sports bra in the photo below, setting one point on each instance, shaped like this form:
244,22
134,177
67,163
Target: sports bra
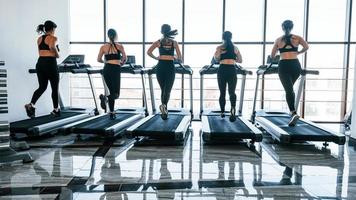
288,42
113,56
228,55
43,45
164,51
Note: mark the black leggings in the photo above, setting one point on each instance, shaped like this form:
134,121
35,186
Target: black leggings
112,77
289,71
227,76
165,76
47,70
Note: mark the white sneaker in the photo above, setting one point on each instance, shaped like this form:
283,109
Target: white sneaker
293,120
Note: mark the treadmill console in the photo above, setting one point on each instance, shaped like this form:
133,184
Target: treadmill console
74,62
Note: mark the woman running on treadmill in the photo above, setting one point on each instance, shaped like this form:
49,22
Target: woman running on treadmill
115,56
46,67
165,67
289,67
227,54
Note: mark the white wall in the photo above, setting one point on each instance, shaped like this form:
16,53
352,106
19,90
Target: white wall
18,22
353,121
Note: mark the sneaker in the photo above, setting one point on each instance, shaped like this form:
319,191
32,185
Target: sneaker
222,114
164,112
56,112
103,101
232,115
112,115
30,110
293,120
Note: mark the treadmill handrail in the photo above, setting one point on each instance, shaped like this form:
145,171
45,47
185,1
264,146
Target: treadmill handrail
273,69
179,69
213,69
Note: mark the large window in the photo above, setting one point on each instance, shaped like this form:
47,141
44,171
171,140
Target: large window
200,24
203,20
280,10
244,24
126,17
87,20
163,12
327,20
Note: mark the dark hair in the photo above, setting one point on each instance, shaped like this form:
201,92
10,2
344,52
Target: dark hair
46,27
168,32
228,45
112,35
287,26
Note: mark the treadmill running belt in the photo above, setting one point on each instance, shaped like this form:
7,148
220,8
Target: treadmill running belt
157,124
24,124
102,122
223,125
300,129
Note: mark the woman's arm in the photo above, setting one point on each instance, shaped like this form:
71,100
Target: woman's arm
217,53
124,57
52,46
151,49
179,54
304,44
100,55
238,55
274,49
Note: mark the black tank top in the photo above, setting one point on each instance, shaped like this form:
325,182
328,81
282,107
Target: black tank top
43,45
164,51
113,55
288,42
228,54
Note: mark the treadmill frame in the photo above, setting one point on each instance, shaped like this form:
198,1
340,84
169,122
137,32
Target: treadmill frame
53,126
206,131
276,132
183,126
119,127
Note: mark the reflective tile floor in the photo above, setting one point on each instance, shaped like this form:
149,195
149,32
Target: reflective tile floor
68,169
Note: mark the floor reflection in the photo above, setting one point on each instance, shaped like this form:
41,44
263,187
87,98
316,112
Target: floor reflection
190,171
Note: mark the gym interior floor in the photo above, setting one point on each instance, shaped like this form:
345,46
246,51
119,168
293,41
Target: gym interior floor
96,169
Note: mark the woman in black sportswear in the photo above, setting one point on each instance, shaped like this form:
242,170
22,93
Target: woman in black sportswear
227,54
289,67
115,56
46,67
165,67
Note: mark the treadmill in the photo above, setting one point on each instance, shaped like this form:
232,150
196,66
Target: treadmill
173,129
101,124
218,129
49,124
276,123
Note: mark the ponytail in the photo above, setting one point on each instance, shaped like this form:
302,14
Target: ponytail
46,27
228,44
40,29
112,35
167,32
287,27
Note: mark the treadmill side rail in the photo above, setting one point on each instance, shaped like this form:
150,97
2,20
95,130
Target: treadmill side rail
256,131
123,124
45,128
132,128
67,127
182,128
205,131
341,138
276,132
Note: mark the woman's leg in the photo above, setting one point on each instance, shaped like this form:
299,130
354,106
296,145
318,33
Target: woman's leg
54,80
222,88
42,78
112,77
